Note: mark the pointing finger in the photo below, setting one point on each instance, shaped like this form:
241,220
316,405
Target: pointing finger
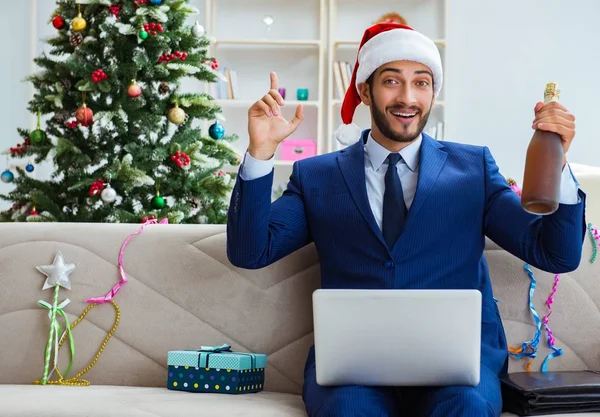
274,81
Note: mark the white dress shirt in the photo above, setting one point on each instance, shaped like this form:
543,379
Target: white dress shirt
408,170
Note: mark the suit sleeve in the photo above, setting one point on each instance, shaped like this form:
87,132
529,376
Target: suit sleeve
552,243
259,232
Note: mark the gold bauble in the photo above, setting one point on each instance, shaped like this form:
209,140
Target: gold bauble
79,24
176,115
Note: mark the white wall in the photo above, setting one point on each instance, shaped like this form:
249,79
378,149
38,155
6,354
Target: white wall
17,36
498,61
500,56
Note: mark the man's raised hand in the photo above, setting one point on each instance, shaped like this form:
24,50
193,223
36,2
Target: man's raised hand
266,126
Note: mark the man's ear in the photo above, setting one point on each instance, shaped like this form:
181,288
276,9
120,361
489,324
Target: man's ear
365,93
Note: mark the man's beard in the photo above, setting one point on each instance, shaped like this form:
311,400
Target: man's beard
386,130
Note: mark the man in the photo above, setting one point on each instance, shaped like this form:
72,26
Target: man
398,209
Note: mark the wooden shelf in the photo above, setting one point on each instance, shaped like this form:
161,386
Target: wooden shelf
248,103
268,42
347,43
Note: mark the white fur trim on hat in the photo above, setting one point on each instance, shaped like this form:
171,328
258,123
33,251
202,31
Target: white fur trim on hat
348,134
399,45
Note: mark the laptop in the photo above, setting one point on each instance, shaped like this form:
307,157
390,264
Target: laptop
397,337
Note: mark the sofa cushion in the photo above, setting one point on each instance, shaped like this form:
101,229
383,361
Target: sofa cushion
103,401
181,294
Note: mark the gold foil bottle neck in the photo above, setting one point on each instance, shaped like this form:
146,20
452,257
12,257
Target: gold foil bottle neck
552,92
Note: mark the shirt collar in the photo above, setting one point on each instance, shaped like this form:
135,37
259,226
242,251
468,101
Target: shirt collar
378,154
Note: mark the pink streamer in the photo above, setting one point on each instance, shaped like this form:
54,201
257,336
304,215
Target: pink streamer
549,303
108,297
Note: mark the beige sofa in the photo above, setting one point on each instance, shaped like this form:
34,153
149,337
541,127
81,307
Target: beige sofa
183,293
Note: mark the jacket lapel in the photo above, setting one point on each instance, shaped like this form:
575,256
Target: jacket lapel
432,161
352,164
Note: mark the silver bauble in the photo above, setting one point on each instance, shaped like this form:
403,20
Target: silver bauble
109,194
198,30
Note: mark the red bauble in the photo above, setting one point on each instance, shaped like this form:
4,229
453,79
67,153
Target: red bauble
134,90
84,116
58,22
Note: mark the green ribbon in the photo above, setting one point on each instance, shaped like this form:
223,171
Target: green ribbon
55,324
223,348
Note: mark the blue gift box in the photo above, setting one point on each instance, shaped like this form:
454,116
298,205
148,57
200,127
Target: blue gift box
216,369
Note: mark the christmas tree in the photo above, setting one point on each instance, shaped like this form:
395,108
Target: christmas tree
120,131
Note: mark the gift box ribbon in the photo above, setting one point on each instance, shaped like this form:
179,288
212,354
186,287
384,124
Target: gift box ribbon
206,351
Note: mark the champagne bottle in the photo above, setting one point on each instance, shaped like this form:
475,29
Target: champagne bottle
543,167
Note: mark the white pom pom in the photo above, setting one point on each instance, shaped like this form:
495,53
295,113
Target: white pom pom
348,134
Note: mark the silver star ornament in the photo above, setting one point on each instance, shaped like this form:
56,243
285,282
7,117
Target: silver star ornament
57,273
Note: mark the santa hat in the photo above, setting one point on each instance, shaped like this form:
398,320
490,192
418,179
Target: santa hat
383,43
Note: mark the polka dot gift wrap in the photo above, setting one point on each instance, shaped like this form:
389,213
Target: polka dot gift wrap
216,369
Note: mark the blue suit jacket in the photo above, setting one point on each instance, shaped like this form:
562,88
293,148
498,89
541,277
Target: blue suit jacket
461,197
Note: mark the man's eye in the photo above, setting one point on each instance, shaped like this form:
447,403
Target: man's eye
390,82
423,83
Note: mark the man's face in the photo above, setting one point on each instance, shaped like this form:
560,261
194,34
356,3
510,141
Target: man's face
400,97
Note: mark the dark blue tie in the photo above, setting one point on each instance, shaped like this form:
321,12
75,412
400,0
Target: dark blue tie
394,209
